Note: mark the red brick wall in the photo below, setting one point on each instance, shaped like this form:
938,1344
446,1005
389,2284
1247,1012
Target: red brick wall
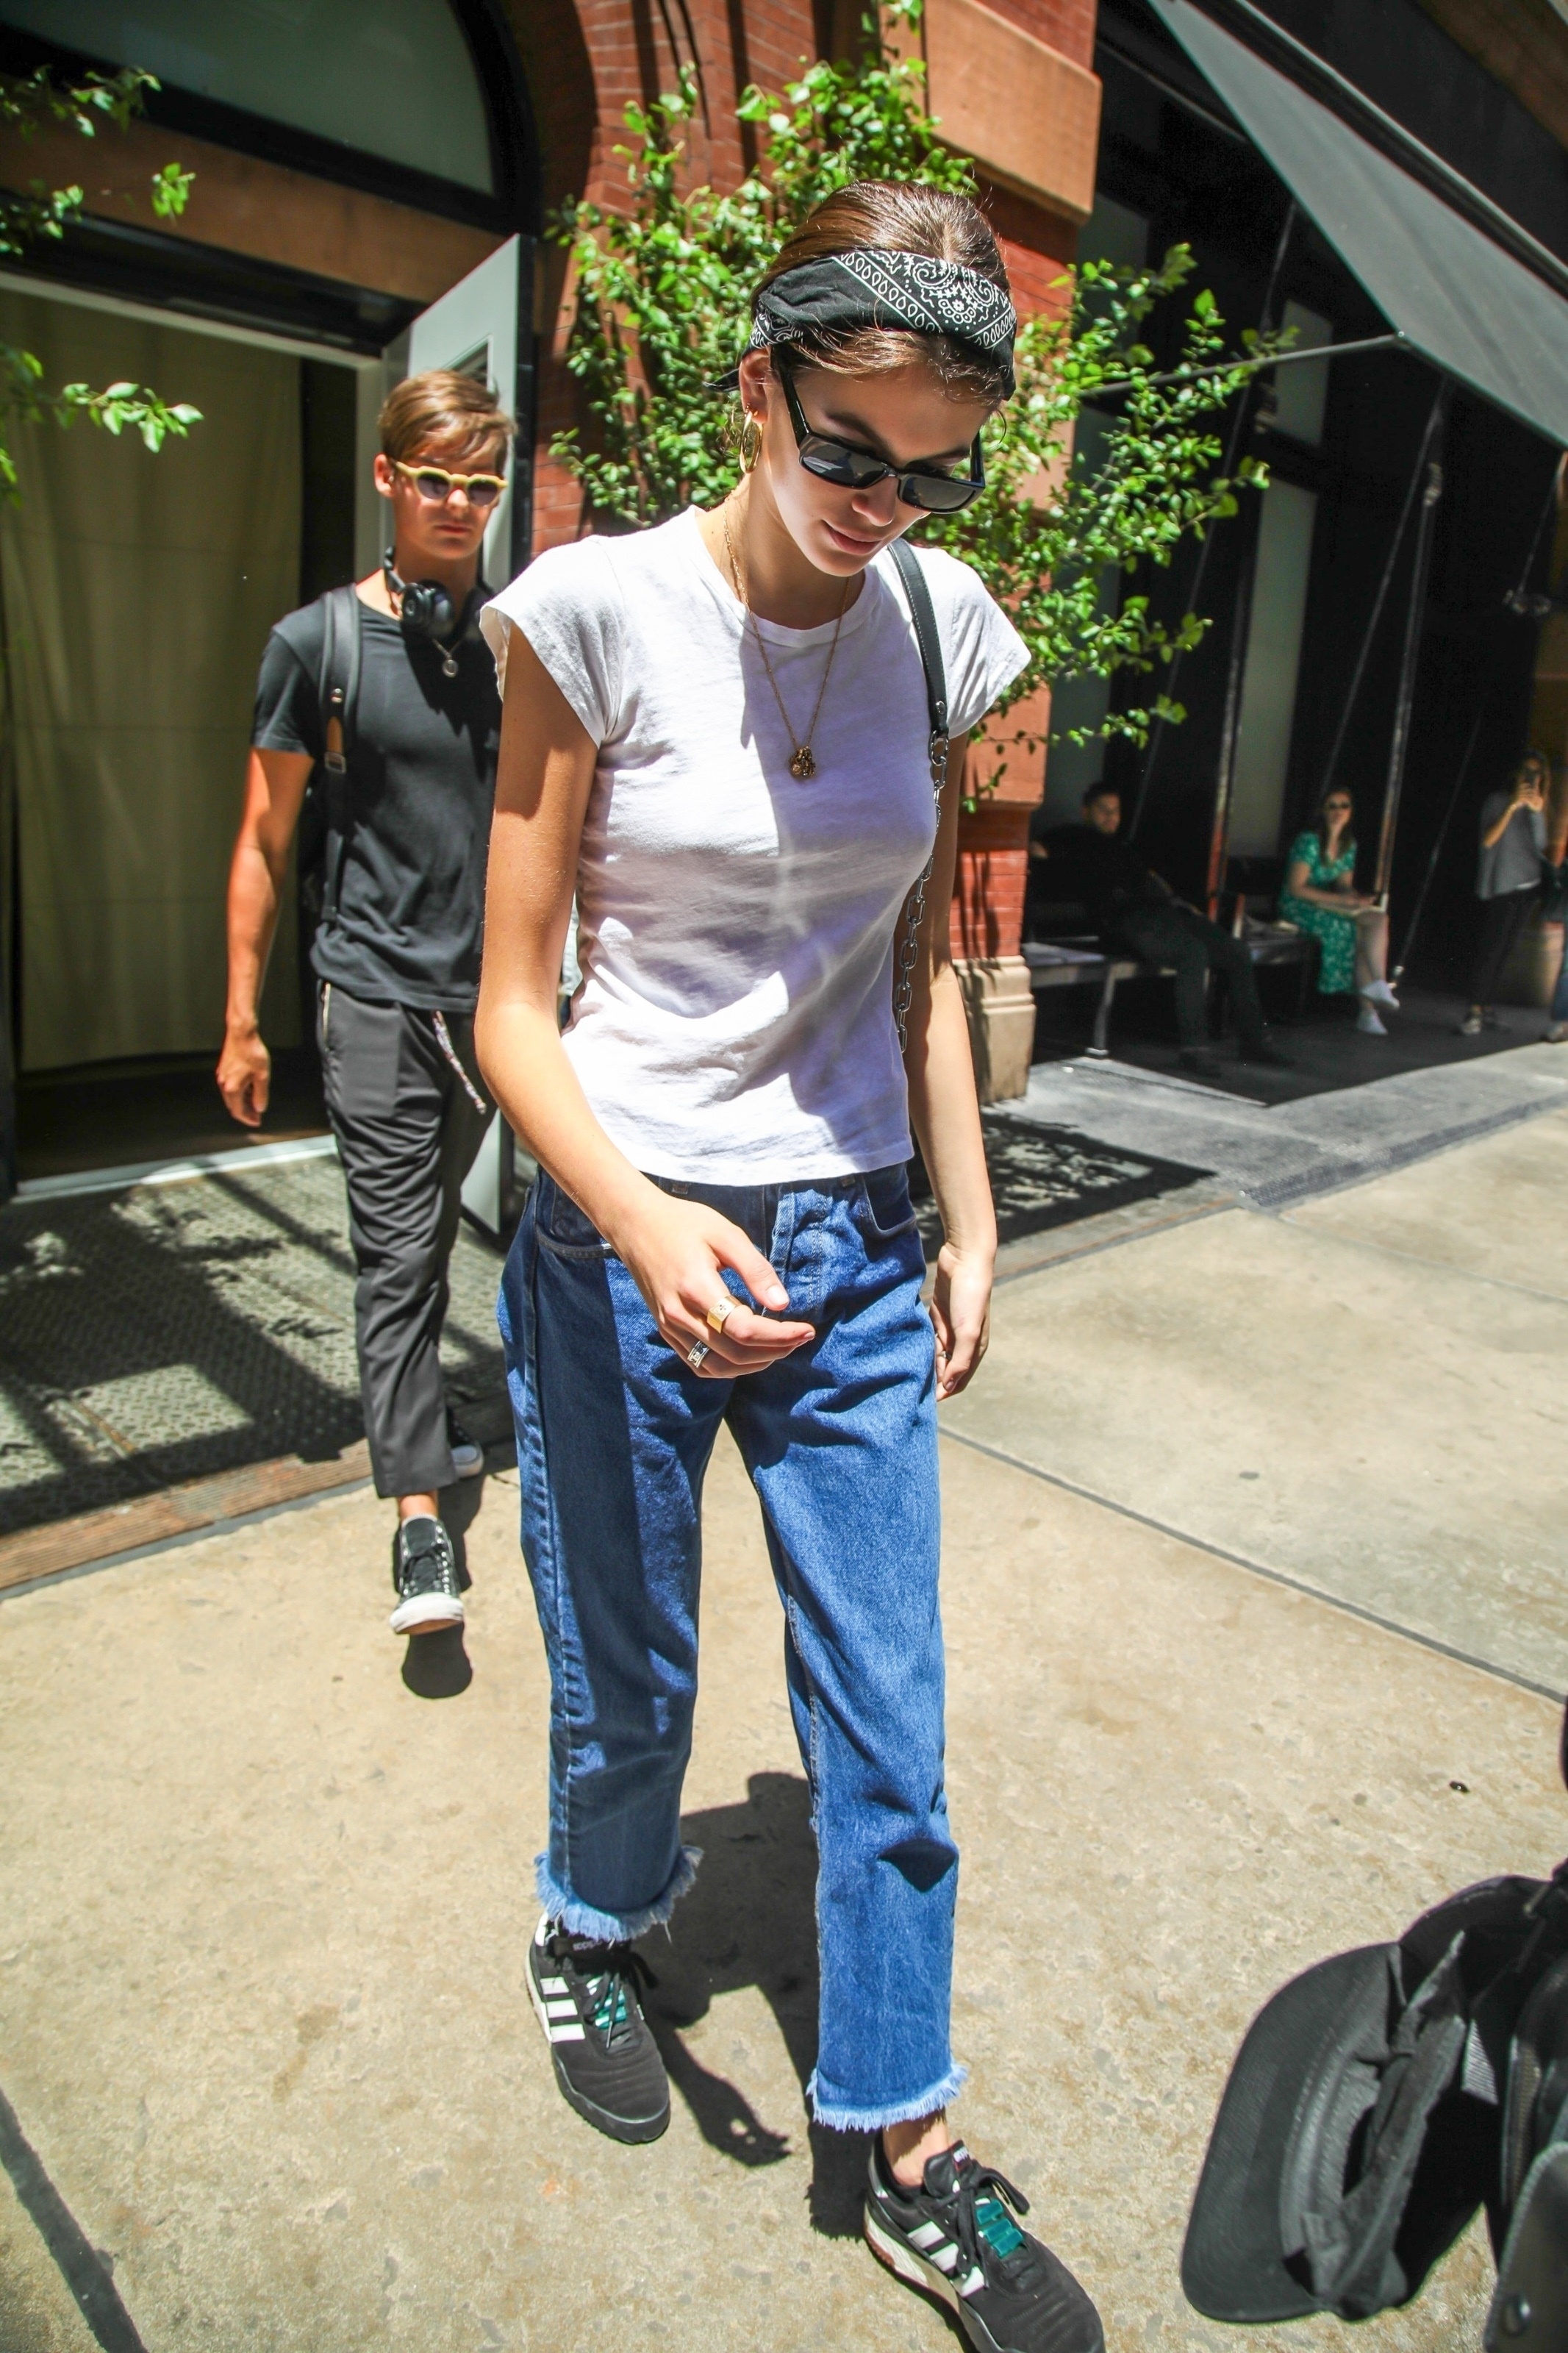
987,917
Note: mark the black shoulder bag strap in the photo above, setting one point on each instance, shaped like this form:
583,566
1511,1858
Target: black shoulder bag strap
339,690
929,643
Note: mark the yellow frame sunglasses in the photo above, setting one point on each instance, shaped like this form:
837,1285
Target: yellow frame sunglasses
481,490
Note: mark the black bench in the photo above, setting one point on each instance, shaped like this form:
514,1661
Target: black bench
1077,960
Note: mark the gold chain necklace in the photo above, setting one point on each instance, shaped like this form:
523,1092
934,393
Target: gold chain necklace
802,764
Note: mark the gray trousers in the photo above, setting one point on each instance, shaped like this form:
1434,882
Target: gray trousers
408,1133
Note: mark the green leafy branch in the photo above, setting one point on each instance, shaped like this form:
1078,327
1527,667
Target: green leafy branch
662,295
1055,524
27,103
118,408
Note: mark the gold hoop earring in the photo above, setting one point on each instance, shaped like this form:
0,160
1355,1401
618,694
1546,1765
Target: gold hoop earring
751,442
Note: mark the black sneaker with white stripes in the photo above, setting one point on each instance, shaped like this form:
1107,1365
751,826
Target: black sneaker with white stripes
956,2237
589,2004
425,1571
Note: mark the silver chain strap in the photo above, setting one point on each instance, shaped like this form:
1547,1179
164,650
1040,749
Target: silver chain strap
915,904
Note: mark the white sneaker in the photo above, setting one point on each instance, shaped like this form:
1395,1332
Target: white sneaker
1367,1023
1381,992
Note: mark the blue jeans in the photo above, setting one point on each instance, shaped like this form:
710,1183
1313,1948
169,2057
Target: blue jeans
614,1436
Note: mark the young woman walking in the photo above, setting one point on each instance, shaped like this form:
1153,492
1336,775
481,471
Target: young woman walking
718,732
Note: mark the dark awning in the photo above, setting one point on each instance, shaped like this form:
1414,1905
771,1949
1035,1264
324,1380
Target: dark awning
1451,290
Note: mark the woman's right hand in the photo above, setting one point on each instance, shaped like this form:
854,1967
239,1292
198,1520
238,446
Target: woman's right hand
677,1251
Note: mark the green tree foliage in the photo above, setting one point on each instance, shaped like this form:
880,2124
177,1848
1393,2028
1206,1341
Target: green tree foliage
662,302
87,106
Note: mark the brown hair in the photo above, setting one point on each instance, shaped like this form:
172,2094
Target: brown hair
1321,822
442,401
907,219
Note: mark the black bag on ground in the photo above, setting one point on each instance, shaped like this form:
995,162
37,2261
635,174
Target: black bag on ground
1530,2308
1376,2102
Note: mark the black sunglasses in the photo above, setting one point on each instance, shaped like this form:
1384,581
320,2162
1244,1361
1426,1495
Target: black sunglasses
853,469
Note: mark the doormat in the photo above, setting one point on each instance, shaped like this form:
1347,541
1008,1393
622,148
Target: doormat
1043,1176
178,1332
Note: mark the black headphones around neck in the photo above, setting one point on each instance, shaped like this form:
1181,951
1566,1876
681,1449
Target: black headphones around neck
426,610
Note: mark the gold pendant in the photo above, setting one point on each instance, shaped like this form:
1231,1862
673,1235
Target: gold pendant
803,767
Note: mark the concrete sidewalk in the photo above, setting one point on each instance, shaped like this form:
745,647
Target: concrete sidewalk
263,2034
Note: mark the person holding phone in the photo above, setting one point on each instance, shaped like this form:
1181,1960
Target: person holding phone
1508,875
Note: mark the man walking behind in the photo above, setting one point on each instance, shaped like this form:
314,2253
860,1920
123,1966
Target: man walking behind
388,694
1136,913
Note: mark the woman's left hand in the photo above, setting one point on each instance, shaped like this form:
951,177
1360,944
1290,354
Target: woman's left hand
961,1313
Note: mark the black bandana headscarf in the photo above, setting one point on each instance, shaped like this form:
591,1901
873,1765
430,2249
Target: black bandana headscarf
878,286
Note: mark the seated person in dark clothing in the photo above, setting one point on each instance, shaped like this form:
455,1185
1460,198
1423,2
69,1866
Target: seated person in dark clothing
1137,914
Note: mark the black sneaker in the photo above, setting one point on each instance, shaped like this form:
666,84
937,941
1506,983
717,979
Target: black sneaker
467,1456
956,2238
606,2062
425,1571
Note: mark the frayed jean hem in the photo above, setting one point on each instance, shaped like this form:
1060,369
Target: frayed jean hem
612,1927
834,2119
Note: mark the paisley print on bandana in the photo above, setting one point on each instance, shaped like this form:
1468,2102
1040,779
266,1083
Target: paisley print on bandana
876,286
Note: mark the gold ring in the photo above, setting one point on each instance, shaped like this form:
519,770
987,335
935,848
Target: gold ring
718,1315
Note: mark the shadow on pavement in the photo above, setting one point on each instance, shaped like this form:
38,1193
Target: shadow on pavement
437,1665
1327,1053
750,1920
88,2275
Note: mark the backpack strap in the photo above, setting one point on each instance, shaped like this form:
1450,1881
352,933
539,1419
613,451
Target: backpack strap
927,637
923,615
338,692
338,683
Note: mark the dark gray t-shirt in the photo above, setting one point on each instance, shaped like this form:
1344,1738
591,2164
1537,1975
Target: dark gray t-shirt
1514,863
408,828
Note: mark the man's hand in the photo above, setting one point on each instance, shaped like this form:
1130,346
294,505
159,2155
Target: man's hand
677,1251
245,1076
961,1313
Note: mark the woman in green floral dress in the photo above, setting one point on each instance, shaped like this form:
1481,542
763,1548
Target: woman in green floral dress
1320,896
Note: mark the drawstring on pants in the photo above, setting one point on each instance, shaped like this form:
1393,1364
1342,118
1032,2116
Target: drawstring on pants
443,1039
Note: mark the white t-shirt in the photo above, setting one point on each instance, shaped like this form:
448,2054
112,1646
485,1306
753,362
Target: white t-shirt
733,1025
